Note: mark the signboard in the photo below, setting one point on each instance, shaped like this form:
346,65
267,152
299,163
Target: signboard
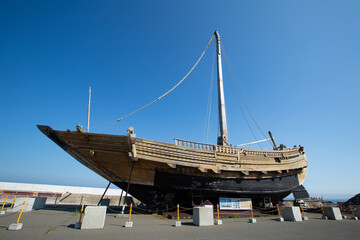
235,203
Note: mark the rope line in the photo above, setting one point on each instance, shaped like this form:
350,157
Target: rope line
207,127
237,98
242,98
157,99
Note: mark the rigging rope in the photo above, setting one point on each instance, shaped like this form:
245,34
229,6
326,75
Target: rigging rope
207,127
242,111
157,99
242,98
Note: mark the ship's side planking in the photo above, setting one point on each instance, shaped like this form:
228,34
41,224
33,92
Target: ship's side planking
168,172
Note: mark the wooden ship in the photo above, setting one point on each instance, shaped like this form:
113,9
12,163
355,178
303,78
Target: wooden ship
186,172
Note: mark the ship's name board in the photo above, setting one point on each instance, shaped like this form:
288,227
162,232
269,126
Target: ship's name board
235,203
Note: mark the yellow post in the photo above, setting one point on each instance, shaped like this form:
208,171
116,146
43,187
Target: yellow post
277,205
82,208
4,203
252,215
12,204
322,209
342,212
130,212
218,215
302,210
178,213
351,210
21,212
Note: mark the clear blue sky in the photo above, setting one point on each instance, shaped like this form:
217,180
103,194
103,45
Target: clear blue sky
298,62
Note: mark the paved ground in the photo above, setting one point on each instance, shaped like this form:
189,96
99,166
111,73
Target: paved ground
58,225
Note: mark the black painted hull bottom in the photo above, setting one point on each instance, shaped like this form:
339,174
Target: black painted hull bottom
171,189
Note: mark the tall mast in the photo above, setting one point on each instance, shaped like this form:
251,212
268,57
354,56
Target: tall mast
223,138
88,115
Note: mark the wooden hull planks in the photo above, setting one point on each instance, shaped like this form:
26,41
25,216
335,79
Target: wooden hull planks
166,168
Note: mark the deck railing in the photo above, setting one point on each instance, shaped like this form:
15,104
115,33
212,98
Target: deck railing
234,150
201,146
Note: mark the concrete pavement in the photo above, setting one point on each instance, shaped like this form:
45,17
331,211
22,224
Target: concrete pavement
58,225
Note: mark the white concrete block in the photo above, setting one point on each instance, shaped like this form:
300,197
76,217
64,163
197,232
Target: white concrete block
2,212
15,226
333,213
355,218
252,220
280,219
18,204
305,218
325,217
218,222
291,214
94,217
129,224
177,224
203,216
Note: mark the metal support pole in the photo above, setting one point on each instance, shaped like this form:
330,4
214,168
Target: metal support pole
81,212
104,193
352,211
278,209
322,209
130,212
12,204
178,213
342,212
128,186
302,210
4,203
121,196
251,209
21,212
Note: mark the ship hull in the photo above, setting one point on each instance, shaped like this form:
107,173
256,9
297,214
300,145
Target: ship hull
166,174
169,189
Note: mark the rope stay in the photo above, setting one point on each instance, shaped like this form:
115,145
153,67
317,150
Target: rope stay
207,126
235,85
157,99
118,120
176,85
